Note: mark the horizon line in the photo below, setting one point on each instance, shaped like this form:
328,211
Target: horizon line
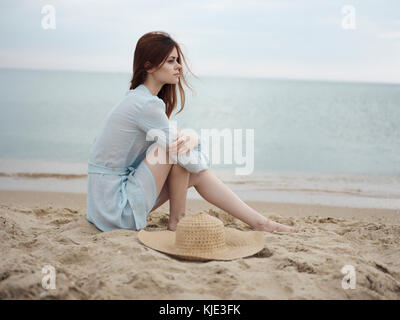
210,76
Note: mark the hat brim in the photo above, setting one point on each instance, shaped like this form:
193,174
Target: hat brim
239,244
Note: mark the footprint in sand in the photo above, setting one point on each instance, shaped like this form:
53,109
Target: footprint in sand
59,222
264,253
300,266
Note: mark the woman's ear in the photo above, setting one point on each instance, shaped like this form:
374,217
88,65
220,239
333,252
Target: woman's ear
148,64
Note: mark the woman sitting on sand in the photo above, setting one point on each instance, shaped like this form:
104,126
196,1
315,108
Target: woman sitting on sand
125,184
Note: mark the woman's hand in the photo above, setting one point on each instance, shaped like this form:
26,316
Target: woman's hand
183,142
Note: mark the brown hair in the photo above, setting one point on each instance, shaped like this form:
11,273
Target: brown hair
153,49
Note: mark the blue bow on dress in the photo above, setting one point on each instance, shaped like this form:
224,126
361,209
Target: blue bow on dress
124,171
129,192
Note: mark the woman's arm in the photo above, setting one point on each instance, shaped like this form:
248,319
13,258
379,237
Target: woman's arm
152,116
184,142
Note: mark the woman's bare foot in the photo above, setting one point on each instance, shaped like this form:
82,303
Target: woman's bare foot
172,225
272,226
173,221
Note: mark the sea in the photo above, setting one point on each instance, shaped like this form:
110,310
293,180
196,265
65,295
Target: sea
314,142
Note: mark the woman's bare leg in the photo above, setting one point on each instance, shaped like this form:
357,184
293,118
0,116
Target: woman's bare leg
171,183
216,192
160,171
178,181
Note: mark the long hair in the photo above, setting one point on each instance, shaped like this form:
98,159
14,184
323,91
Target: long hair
152,50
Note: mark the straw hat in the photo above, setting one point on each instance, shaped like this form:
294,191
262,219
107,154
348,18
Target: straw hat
204,237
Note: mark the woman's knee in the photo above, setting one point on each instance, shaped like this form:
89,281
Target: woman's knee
178,169
195,178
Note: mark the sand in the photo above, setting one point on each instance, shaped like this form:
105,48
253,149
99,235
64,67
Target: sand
43,228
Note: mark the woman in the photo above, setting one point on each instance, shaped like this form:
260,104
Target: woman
125,182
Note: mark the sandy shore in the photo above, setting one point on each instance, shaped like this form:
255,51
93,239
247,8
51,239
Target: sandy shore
44,228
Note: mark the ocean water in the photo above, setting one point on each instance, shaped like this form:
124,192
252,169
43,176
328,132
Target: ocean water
309,136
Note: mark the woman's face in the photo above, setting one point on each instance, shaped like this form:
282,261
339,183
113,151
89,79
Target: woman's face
170,70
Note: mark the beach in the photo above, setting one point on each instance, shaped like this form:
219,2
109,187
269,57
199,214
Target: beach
325,159
41,228
305,132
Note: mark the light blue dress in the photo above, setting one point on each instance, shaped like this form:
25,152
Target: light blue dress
121,188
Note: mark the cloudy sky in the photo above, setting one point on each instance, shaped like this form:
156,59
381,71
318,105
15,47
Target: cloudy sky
302,39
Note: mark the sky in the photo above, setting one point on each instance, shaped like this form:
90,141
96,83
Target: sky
302,39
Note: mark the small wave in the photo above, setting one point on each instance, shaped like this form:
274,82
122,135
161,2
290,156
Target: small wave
355,192
40,175
243,181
